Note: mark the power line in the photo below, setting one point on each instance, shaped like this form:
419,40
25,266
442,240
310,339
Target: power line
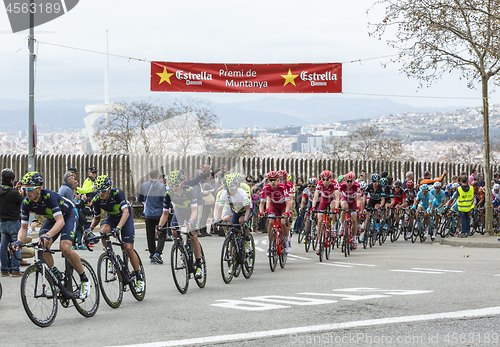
414,96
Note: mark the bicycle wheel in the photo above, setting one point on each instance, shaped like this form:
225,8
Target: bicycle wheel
273,253
444,229
0,290
110,281
201,282
300,234
133,280
322,244
227,260
283,255
249,263
328,243
421,229
86,307
314,234
40,308
307,237
373,235
178,264
348,238
415,230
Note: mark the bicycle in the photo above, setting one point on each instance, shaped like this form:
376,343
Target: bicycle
41,288
234,255
310,236
115,273
183,264
277,244
327,239
302,230
419,227
475,220
371,232
347,238
449,224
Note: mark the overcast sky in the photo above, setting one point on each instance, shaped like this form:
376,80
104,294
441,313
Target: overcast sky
213,32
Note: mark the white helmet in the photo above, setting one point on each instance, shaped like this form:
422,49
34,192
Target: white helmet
363,185
496,186
437,185
455,185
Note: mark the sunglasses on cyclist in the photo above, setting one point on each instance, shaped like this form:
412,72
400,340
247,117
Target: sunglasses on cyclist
325,179
273,180
29,189
349,181
101,190
232,188
176,185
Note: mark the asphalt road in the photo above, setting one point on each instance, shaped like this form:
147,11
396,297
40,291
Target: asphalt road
399,294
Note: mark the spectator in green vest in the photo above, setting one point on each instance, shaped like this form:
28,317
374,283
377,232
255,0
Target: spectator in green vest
88,186
465,203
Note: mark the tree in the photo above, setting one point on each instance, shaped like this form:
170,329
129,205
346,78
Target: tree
365,138
438,36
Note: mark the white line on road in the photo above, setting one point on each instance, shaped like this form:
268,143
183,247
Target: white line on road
419,268
260,249
483,312
339,265
418,271
340,262
296,256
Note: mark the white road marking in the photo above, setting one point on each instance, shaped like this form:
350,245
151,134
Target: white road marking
290,300
264,242
418,268
417,271
296,256
483,312
340,262
497,275
247,305
260,249
339,265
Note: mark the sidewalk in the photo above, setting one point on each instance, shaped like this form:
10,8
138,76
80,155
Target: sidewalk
475,241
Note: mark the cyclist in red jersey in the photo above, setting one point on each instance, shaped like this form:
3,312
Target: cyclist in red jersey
350,193
276,196
289,185
328,194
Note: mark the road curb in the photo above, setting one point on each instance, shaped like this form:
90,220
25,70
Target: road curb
471,244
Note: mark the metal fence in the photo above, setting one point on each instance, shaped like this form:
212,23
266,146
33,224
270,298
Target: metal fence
128,172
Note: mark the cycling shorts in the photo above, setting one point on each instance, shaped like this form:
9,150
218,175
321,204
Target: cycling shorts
424,206
276,210
352,205
235,218
372,203
128,229
455,206
436,205
323,204
68,230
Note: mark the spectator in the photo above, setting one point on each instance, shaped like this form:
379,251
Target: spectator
409,177
88,185
299,188
465,203
480,180
454,179
249,179
208,204
428,180
496,178
10,216
69,187
151,193
472,175
361,177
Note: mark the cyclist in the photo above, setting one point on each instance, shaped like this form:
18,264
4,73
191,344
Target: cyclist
422,202
438,205
350,199
185,210
327,192
495,197
389,197
479,198
399,198
60,219
410,194
276,196
239,203
452,203
307,197
377,197
285,179
119,218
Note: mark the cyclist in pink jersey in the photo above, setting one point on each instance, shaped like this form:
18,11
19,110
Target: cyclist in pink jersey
350,193
328,194
276,196
289,185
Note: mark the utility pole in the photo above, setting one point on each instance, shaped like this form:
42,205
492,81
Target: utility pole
31,138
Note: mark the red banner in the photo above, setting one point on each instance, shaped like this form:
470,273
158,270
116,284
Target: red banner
246,78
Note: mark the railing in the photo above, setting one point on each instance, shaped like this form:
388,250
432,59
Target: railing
128,172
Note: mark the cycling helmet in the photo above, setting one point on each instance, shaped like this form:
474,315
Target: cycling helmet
363,185
384,174
349,177
496,186
273,175
375,177
313,181
34,178
289,177
282,174
102,182
383,182
230,181
237,177
424,187
409,184
449,186
456,185
175,178
437,185
326,175
398,183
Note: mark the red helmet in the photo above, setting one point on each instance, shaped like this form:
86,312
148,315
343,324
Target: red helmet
409,184
326,175
273,175
349,177
282,173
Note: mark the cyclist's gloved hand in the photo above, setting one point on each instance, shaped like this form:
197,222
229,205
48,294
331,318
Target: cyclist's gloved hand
45,239
336,211
15,245
246,224
312,210
116,231
414,207
429,210
190,226
89,236
158,228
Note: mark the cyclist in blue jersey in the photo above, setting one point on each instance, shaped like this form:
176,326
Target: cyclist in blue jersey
119,218
452,203
437,204
60,219
422,202
185,210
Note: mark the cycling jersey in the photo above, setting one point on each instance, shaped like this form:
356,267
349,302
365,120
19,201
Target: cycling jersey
49,205
479,195
113,205
423,199
278,196
290,188
388,191
495,195
399,196
375,194
349,194
437,197
307,194
238,200
327,193
410,195
182,202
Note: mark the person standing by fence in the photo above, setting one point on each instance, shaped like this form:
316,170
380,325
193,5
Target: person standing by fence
465,203
151,194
